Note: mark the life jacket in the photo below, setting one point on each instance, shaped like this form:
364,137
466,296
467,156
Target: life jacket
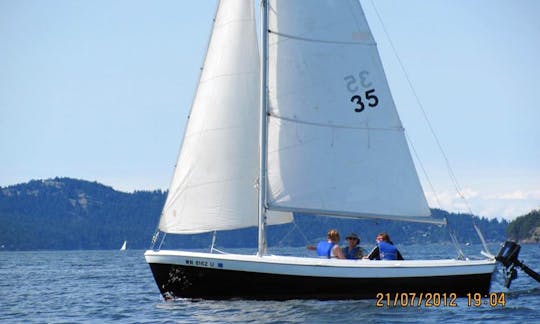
387,251
351,253
324,249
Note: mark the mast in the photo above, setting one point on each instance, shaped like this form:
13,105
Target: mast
262,246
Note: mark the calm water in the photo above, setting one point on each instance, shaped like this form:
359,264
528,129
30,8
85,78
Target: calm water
105,286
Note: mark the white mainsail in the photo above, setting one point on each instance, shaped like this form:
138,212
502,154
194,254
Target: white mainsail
336,144
214,184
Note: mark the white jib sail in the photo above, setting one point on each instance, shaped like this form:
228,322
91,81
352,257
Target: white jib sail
214,185
336,144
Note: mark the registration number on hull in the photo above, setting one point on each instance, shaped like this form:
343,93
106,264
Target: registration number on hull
204,263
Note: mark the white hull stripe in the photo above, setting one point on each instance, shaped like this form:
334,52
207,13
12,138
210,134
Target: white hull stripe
302,266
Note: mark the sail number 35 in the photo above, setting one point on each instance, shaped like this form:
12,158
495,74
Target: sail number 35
354,85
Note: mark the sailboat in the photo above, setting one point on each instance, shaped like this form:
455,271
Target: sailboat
124,245
308,125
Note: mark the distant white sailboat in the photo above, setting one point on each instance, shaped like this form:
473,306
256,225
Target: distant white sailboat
123,248
326,140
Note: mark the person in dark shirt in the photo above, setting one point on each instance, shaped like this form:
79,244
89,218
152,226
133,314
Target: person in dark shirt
353,250
385,249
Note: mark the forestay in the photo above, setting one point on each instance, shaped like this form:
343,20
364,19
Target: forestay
336,144
214,184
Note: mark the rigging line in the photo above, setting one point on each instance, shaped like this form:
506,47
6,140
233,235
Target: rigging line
213,247
451,232
436,138
424,171
295,227
162,240
155,237
482,239
321,40
213,242
280,243
293,120
451,173
300,231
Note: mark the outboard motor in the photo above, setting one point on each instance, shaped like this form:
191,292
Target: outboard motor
508,256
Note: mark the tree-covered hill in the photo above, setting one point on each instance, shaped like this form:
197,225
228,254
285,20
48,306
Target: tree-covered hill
64,213
525,228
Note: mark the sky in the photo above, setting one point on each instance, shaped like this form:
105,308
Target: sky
100,90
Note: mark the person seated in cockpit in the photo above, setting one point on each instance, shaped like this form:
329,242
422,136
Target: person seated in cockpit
330,247
385,249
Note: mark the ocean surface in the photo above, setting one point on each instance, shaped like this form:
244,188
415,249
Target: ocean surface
107,286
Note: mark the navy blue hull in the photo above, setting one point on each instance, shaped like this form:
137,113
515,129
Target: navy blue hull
196,282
